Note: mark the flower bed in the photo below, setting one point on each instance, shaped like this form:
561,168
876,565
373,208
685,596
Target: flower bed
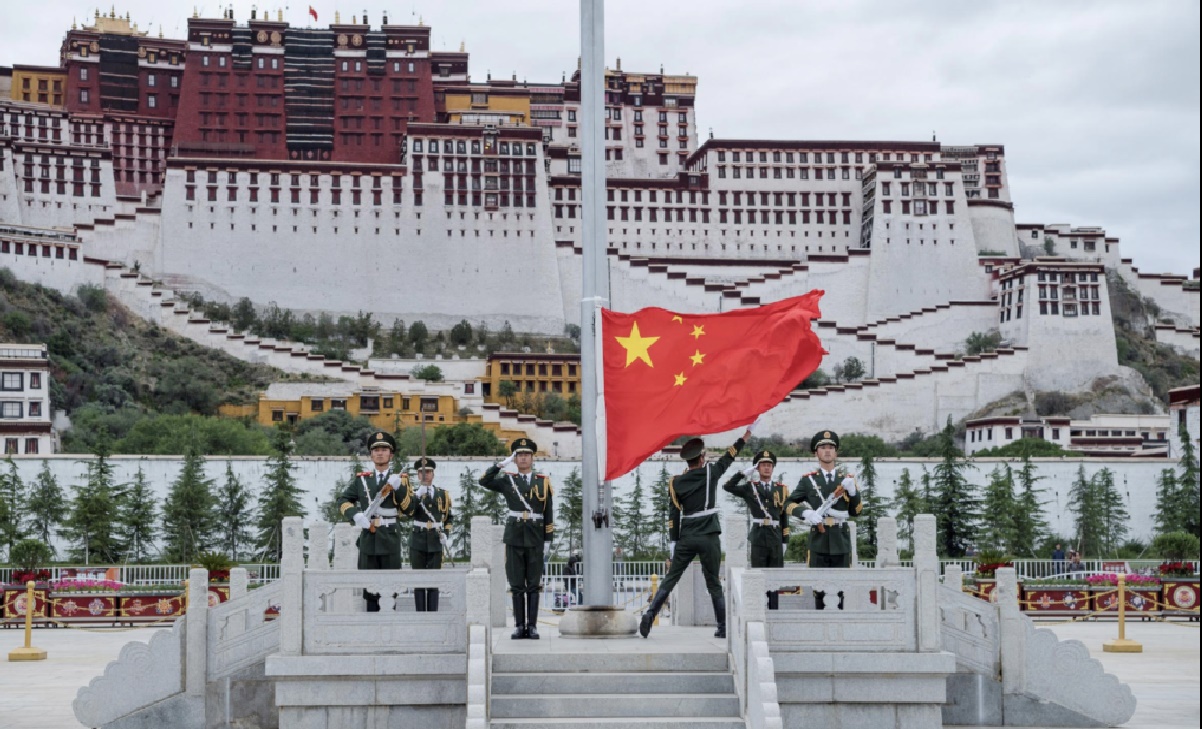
1056,597
1142,593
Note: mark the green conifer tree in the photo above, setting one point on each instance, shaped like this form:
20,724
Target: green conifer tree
235,515
908,502
13,507
955,501
189,517
571,508
468,507
45,506
280,497
998,501
660,503
1030,524
93,512
137,519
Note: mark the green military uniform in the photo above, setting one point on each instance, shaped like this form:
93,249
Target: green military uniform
528,526
769,521
432,518
379,549
694,527
830,541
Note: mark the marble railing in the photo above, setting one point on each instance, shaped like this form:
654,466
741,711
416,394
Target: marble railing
968,626
240,632
755,676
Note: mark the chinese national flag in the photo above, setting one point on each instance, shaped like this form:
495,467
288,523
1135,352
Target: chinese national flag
313,13
669,375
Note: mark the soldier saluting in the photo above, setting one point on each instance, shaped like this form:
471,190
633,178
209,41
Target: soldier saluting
430,510
765,501
830,539
695,529
528,527
380,541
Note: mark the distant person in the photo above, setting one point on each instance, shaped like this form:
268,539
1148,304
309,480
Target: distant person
572,573
765,501
971,551
1074,562
1058,559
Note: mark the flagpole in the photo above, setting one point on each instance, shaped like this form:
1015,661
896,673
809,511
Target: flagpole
598,617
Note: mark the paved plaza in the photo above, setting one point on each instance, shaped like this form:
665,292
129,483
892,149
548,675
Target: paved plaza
1164,677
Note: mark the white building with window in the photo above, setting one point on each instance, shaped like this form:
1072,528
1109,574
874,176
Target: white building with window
1183,415
25,399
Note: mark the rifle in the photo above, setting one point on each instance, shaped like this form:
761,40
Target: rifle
825,509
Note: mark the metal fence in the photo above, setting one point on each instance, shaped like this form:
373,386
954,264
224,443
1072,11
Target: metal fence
631,580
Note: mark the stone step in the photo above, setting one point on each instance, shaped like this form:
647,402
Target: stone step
632,722
611,706
613,683
608,662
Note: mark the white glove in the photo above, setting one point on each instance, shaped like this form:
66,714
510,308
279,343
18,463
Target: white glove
811,517
751,472
671,549
849,485
756,424
506,463
361,521
395,482
423,490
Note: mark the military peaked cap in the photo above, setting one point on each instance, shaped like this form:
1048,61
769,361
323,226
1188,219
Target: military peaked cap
764,455
824,437
692,448
424,462
380,439
523,445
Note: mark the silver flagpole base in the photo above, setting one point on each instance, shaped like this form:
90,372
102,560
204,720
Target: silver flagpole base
597,622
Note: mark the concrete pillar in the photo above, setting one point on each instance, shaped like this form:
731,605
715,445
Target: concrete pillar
319,545
734,534
500,600
481,542
346,553
238,582
953,577
926,575
196,653
886,542
1012,631
292,568
477,597
754,604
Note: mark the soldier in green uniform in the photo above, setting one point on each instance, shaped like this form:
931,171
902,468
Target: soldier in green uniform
430,510
695,528
528,527
830,539
765,501
380,541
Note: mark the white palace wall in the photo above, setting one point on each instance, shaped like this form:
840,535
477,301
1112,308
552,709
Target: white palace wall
945,329
409,262
318,477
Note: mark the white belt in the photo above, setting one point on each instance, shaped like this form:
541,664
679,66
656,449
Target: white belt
764,522
427,525
707,512
385,512
525,516
383,522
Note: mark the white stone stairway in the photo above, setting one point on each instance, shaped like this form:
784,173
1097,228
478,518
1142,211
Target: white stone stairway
613,690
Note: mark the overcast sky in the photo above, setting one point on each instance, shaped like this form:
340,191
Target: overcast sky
1096,102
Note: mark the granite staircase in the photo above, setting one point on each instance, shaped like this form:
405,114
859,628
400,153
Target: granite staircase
602,690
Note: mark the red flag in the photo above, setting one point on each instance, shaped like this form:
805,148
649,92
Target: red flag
670,374
313,13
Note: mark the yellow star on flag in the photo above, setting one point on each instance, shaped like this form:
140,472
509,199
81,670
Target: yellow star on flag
637,346
697,357
680,379
698,332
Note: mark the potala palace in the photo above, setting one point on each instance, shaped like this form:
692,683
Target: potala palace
354,168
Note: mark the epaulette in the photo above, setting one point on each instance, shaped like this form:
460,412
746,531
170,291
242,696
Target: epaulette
811,473
541,475
363,473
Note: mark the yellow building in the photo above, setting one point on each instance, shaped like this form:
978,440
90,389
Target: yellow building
39,84
387,410
557,374
502,103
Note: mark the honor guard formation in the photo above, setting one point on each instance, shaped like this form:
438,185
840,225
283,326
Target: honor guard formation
827,498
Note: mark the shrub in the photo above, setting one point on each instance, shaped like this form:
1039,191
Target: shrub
30,554
1175,546
93,297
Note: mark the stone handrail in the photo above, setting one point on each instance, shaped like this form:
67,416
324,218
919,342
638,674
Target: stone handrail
969,628
879,610
478,663
763,709
755,677
239,632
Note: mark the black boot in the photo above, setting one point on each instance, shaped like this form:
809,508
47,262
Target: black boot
820,601
773,600
532,599
840,600
719,615
652,610
419,599
519,616
432,599
373,601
